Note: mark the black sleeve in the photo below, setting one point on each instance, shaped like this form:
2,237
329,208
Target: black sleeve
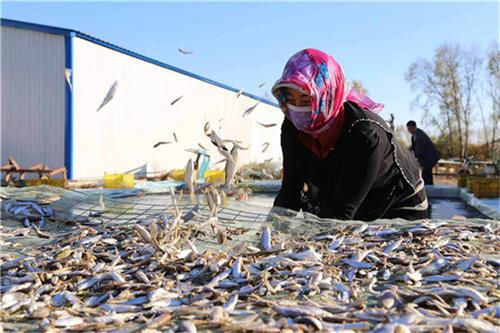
360,167
419,146
289,193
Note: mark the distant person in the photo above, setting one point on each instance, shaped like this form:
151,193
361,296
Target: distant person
339,157
424,150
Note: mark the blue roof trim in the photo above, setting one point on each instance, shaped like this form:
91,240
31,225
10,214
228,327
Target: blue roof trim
67,32
35,27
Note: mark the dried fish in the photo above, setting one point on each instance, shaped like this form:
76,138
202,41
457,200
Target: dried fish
250,110
159,143
176,100
365,277
189,178
267,125
231,303
109,96
266,239
231,167
184,51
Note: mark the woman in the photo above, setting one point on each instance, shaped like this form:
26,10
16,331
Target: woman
339,157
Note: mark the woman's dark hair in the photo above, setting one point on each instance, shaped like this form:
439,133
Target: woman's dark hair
411,123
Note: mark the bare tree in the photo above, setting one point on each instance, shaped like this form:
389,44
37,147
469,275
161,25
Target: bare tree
493,79
402,135
356,84
488,97
448,82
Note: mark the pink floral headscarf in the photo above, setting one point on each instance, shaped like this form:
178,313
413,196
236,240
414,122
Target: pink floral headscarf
320,76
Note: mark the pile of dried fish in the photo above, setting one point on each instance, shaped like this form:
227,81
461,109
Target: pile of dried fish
32,214
151,277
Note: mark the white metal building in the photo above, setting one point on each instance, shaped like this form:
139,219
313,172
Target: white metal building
53,81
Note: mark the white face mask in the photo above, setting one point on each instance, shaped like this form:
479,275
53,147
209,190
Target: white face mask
294,108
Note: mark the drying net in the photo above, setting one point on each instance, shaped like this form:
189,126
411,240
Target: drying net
71,209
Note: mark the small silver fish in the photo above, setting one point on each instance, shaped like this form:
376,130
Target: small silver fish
216,140
231,303
310,255
236,268
265,146
266,239
336,243
231,167
300,311
357,264
159,143
68,321
386,274
393,246
98,267
441,278
109,96
359,230
185,52
142,277
97,300
267,125
250,110
119,308
187,326
189,176
115,276
206,128
215,281
144,234
246,290
465,265
86,283
176,100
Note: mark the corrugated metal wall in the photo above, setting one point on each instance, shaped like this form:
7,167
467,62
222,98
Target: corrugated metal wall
32,97
120,137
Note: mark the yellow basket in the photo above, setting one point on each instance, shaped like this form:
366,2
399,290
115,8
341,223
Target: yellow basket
59,182
470,180
486,187
178,174
119,180
215,176
211,176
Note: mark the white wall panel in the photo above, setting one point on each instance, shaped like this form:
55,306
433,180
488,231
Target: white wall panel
120,137
32,97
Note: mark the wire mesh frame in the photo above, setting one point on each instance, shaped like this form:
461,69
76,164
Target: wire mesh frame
88,209
75,207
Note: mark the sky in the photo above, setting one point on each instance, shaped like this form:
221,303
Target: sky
243,44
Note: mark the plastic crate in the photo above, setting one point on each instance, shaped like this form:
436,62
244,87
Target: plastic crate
470,180
52,182
486,187
211,176
178,174
215,176
119,180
